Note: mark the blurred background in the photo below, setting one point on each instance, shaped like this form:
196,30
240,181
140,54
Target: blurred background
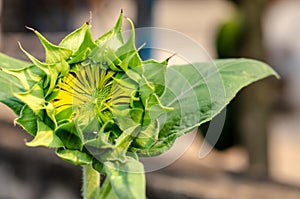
257,153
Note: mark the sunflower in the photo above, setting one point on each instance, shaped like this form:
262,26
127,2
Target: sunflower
100,105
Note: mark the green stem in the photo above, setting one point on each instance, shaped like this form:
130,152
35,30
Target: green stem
105,189
91,182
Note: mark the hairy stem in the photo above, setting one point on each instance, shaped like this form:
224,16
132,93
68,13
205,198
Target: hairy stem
91,183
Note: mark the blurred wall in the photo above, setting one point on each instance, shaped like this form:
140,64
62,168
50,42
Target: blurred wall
1,21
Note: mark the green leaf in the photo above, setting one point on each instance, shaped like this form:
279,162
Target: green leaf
8,82
198,92
7,62
127,179
74,156
45,136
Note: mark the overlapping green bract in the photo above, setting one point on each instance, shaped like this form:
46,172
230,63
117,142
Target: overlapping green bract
98,103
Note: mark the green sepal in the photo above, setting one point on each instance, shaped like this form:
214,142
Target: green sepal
51,80
136,115
43,66
52,70
68,134
50,111
14,104
27,77
105,58
146,88
103,150
54,53
128,51
28,120
16,76
79,40
135,74
74,156
80,57
114,35
159,147
64,116
155,72
45,136
63,67
147,137
154,109
34,98
122,120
